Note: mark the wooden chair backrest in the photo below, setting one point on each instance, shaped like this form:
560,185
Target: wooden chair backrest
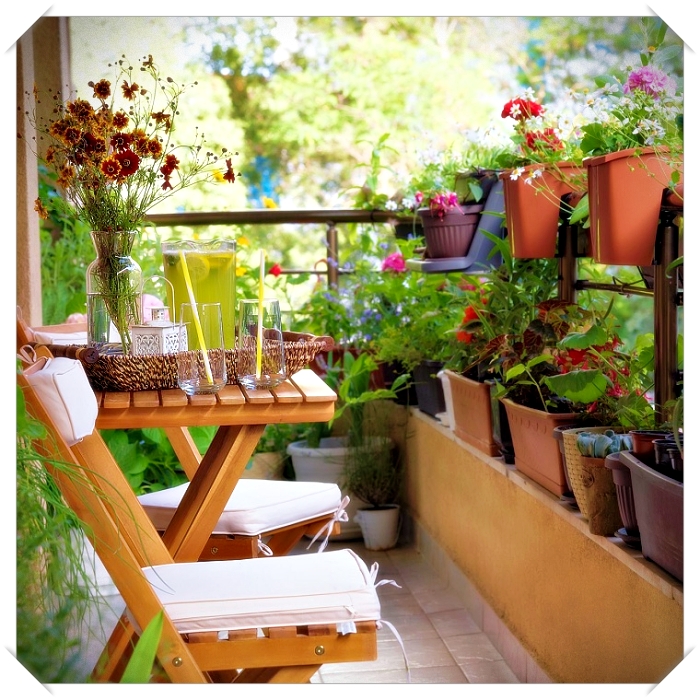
123,536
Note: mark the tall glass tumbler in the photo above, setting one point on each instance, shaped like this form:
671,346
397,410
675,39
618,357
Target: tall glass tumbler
260,361
212,272
201,357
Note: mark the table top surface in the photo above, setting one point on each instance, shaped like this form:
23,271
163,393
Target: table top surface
303,398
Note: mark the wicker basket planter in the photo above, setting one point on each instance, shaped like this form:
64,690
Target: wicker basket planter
588,483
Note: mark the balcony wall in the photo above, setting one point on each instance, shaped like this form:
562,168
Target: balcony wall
577,607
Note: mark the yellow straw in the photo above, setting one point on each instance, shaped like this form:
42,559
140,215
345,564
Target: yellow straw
197,324
261,294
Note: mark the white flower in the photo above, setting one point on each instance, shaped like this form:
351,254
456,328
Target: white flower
391,205
516,173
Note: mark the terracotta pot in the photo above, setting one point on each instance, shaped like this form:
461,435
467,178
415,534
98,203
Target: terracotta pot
643,442
603,512
471,401
532,210
625,189
451,236
658,502
537,453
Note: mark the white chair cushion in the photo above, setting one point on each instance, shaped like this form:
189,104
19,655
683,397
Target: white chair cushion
305,589
256,505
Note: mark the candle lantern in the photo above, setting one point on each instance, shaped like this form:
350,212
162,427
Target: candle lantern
157,336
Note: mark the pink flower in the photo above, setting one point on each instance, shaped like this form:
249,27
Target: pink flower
650,80
394,262
419,197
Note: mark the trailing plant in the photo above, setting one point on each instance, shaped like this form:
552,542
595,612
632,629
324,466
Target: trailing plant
53,589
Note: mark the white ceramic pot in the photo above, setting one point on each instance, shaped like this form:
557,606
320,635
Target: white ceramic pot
326,464
380,526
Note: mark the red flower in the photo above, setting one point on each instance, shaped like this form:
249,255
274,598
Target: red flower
521,109
464,337
470,314
275,270
536,140
129,162
229,175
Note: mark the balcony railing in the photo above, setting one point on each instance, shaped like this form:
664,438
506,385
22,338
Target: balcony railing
667,296
329,218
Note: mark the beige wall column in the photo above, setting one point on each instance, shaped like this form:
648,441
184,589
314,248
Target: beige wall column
43,59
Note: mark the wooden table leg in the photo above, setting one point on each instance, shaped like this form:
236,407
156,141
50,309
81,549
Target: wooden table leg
209,490
185,449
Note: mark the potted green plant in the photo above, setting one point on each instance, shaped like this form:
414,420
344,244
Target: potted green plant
493,305
546,176
634,149
326,448
416,335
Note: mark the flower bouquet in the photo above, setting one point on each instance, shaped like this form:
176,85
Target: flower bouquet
114,159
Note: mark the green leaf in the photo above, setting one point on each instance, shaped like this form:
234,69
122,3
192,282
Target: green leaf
595,335
140,665
580,385
581,211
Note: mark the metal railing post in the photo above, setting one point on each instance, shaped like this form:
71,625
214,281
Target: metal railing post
665,316
332,257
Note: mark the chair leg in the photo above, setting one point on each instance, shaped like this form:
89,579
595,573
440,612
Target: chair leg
115,656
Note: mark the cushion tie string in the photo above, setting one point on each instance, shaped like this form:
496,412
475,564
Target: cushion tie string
340,516
398,639
263,548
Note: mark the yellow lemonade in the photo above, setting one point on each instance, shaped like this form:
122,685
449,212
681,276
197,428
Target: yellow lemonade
212,270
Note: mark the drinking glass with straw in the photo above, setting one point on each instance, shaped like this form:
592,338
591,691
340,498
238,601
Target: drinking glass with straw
201,356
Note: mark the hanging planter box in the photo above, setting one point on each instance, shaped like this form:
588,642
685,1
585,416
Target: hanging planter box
451,235
532,209
625,189
658,503
471,401
537,452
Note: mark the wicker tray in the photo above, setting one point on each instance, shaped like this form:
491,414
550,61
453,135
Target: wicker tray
149,372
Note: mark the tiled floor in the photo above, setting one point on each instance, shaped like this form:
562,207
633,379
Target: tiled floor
442,642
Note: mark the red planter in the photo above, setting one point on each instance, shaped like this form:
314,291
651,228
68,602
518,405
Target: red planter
451,235
532,210
537,452
625,189
471,402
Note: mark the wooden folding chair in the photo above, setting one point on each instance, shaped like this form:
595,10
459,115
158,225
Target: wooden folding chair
268,619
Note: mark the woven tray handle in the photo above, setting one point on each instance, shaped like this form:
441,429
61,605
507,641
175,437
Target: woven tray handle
327,342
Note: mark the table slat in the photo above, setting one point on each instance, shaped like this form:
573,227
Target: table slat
117,399
147,399
313,387
173,397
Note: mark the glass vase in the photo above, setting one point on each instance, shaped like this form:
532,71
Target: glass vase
114,283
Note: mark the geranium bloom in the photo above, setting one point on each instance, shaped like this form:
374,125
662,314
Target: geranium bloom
275,270
537,140
470,314
521,109
394,262
651,80
464,337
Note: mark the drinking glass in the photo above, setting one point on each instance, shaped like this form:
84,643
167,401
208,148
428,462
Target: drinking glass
260,365
201,358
